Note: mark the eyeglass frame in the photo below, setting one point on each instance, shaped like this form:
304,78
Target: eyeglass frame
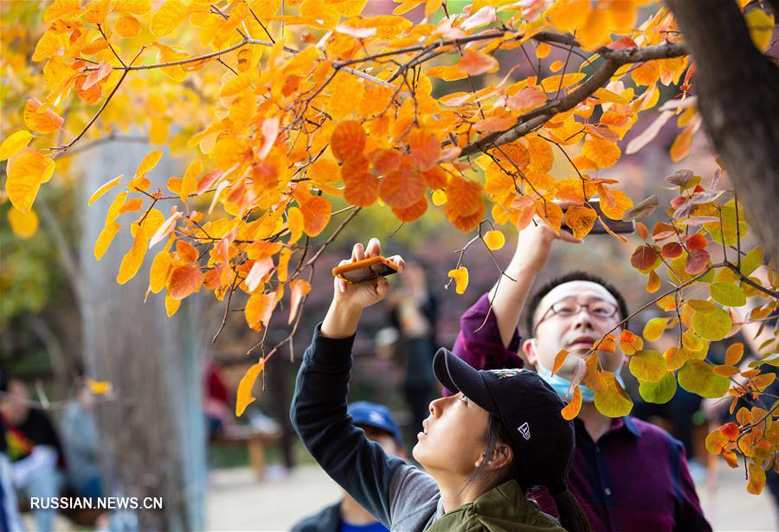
578,310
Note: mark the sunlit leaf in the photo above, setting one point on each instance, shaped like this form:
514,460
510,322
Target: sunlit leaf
244,395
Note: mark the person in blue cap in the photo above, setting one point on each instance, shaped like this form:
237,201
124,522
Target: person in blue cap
347,515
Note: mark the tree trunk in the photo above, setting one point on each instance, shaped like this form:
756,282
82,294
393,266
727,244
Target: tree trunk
153,434
738,97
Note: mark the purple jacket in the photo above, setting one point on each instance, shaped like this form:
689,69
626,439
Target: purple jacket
634,478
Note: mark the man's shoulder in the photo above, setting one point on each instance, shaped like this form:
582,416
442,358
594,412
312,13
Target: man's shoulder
651,433
324,520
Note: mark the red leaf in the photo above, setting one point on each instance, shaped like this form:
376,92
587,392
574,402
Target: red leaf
696,242
696,261
644,257
672,250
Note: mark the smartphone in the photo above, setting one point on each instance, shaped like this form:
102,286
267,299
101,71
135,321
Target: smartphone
365,270
616,226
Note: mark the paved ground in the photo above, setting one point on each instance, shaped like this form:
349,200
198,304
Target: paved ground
236,502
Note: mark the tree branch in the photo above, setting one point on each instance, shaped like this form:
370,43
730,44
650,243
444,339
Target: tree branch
538,117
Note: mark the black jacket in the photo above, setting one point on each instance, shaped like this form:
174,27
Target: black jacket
328,520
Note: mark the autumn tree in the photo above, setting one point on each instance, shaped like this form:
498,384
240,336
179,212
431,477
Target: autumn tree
294,116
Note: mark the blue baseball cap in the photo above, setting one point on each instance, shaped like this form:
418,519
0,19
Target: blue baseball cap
376,416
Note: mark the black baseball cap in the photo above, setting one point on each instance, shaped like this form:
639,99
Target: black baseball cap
528,408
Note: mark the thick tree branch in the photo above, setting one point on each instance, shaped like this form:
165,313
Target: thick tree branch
738,97
538,117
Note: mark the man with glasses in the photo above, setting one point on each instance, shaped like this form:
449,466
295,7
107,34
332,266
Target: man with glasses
627,474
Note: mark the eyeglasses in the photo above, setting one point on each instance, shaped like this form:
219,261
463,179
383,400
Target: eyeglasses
600,310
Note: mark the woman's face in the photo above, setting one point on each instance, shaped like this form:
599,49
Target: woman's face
452,440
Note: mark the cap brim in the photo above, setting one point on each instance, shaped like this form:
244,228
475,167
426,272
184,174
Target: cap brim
456,375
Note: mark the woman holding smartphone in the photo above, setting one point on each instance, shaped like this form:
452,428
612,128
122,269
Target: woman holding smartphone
500,435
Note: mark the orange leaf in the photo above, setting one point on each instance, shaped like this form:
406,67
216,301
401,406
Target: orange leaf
601,152
186,251
435,178
402,188
44,122
630,343
580,219
559,359
734,354
571,410
361,188
316,214
681,145
298,290
607,344
644,257
653,283
348,140
244,395
259,309
184,281
466,223
385,161
464,197
476,63
127,26
425,149
257,273
412,212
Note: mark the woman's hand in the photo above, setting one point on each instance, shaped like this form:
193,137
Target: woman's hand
349,300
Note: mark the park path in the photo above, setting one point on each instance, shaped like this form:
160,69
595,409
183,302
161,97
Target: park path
236,502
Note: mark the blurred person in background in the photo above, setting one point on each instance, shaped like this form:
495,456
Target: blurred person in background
347,515
413,312
9,508
216,401
34,450
627,474
80,444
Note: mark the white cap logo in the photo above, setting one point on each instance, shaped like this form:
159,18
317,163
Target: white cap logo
524,429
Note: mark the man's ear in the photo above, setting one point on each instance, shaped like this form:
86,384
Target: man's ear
529,349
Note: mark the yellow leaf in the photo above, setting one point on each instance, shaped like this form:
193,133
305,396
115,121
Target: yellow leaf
653,283
98,387
612,400
133,259
13,144
160,271
756,479
106,237
761,28
460,276
189,181
295,224
543,50
552,83
158,131
571,410
244,395
148,162
62,8
494,240
171,305
104,188
26,171
167,17
439,197
654,328
23,225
